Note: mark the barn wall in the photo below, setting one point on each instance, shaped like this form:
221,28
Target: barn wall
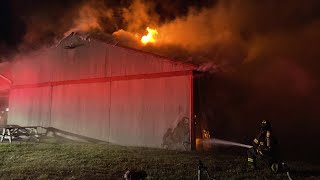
86,61
121,61
91,59
33,68
134,112
81,109
30,107
142,111
140,108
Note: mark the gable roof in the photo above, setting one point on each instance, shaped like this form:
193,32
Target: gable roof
75,40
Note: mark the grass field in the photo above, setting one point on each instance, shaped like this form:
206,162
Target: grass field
54,159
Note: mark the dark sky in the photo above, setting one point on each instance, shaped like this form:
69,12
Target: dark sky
266,51
12,27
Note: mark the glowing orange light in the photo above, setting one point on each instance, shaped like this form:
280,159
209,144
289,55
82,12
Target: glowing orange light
151,37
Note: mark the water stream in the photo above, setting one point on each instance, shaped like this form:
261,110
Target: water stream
215,141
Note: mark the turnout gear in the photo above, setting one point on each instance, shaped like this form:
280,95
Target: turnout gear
263,146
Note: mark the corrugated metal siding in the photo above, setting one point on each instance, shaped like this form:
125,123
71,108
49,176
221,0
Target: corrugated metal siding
30,106
135,112
90,60
143,110
121,61
128,112
86,61
33,68
81,109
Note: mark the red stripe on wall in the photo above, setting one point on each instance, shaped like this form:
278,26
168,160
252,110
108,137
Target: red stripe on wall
105,79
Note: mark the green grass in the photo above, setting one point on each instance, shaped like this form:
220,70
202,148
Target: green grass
54,159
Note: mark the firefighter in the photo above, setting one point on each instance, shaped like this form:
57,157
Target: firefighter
263,146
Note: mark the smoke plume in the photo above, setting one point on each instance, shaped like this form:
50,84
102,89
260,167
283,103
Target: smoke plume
234,31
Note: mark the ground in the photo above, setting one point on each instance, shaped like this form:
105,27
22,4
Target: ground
57,159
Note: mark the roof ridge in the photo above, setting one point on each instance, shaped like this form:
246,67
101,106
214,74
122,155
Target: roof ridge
89,38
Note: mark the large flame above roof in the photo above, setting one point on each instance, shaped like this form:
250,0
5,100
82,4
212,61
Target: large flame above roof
151,37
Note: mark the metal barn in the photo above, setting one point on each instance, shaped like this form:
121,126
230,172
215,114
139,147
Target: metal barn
106,92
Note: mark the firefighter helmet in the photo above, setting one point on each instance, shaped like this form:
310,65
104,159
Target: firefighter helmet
265,125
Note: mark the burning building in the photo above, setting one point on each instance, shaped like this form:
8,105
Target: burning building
106,92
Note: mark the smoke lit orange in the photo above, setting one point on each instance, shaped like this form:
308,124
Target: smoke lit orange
151,37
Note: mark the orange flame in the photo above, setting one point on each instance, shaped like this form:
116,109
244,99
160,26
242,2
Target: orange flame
151,37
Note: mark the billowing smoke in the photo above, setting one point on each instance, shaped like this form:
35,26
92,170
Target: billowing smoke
88,19
227,32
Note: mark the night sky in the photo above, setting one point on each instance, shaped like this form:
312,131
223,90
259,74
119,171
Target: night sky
263,55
